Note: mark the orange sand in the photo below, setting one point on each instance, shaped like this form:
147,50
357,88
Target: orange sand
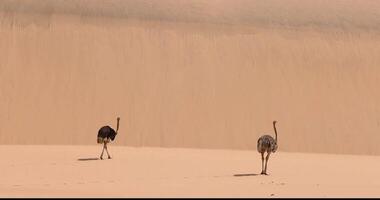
190,73
198,73
68,171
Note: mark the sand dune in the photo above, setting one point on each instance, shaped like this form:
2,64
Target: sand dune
55,171
338,14
200,74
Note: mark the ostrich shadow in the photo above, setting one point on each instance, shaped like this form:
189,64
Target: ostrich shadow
251,174
87,159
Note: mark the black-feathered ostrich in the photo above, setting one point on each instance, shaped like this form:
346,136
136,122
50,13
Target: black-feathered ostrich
266,143
106,134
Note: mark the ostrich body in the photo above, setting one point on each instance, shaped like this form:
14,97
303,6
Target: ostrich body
266,143
106,134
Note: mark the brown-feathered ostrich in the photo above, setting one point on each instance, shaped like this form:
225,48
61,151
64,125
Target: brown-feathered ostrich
266,143
106,134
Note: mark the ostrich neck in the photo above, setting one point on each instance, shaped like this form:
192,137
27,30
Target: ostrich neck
275,131
117,126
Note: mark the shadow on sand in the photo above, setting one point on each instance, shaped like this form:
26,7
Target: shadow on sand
246,174
87,159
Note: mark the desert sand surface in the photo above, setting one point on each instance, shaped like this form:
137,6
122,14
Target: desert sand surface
73,171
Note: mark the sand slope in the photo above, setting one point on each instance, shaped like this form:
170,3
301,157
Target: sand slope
55,171
203,74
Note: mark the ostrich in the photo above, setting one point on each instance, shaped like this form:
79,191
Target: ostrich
105,135
266,143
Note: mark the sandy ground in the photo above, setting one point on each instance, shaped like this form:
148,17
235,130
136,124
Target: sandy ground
68,171
189,73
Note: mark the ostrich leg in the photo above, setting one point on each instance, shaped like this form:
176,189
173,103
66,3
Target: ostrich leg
101,156
109,157
262,163
266,162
